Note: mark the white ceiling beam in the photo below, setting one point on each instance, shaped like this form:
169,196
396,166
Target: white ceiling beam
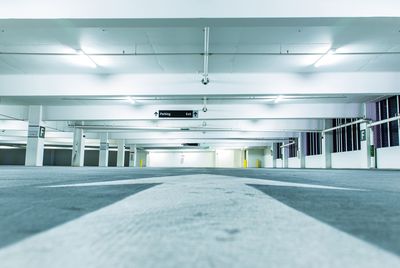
247,125
13,112
50,9
218,112
150,126
184,84
200,136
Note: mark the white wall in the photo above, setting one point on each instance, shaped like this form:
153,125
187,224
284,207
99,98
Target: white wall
347,160
253,156
181,159
388,157
268,161
141,155
294,162
279,163
268,158
315,161
228,158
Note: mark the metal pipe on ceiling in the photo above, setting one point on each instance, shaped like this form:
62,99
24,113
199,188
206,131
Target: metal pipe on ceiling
177,98
206,54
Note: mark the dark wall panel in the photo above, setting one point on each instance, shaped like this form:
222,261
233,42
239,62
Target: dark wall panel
127,154
112,158
91,158
12,157
57,157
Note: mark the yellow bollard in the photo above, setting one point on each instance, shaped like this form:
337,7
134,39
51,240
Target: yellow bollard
258,163
245,163
141,163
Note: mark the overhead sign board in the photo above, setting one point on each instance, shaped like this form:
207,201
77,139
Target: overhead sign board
177,114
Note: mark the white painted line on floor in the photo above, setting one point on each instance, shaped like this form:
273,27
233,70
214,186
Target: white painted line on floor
178,179
203,221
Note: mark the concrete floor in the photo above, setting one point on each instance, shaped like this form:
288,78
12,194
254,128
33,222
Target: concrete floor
122,217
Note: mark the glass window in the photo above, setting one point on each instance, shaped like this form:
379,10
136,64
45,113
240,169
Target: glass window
384,115
354,136
278,150
343,136
293,148
358,137
313,143
378,129
347,138
349,146
334,134
394,125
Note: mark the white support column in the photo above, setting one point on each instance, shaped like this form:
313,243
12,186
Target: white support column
327,145
121,154
35,142
133,156
103,155
302,149
268,157
372,148
285,155
366,141
78,148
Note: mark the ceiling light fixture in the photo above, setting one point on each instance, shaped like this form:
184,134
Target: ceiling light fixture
85,59
279,99
326,58
131,100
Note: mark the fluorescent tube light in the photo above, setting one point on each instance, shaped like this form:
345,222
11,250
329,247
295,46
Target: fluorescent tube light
279,99
131,100
326,58
85,59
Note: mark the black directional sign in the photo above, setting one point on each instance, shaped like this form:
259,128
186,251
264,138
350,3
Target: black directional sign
42,132
176,114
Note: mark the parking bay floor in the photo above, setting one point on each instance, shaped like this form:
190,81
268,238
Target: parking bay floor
103,217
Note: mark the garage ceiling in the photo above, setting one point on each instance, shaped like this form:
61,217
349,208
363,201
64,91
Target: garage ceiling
176,46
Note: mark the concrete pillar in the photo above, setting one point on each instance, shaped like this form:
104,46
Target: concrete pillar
366,137
104,146
372,148
121,154
327,145
78,148
268,157
301,154
35,142
285,155
133,156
